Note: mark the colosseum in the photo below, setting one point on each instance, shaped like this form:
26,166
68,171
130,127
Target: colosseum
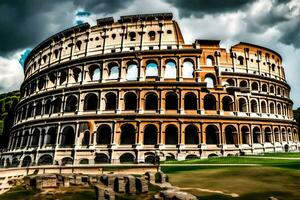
133,91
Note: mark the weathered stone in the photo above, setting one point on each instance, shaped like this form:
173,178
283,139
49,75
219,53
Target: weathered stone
120,184
272,198
104,193
141,184
130,184
99,192
150,177
160,177
176,194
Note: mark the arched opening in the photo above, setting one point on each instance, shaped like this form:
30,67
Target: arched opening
245,135
227,103
256,135
41,83
191,157
254,86
191,135
86,138
71,104
230,82
264,88
67,161
45,160
77,75
25,139
283,132
130,99
95,73
47,106
132,72
84,162
127,158
171,135
212,134
263,107
104,133
210,61
15,162
243,84
56,104
268,135
272,108
127,134
231,135
253,106
35,138
188,69
171,70
38,108
51,136
272,90
151,102
90,102
63,77
279,111
113,71
68,137
277,135
26,161
151,69
240,60
242,105
151,35
190,101
150,135
171,101
101,158
151,159
111,101
209,102
210,81
30,111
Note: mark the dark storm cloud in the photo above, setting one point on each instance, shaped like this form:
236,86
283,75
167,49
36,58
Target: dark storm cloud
25,23
291,34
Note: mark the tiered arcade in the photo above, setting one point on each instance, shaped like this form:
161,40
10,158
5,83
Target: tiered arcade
132,91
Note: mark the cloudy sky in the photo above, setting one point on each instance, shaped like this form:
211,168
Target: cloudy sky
271,23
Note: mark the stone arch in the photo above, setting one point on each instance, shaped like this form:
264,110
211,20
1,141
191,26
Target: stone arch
45,160
272,90
212,134
26,162
150,134
71,103
15,162
114,71
151,101
231,135
227,103
171,101
101,158
77,74
90,102
256,135
245,135
240,60
210,102
95,72
127,158
171,69
264,88
151,69
210,61
110,101
263,107
277,134
230,82
150,158
56,104
67,161
272,108
242,105
254,106
243,84
25,139
283,132
279,110
132,71
38,108
127,134
191,134
254,86
84,161
191,157
51,135
104,134
35,137
210,80
171,134
188,68
63,77
268,134
130,99
47,107
86,138
190,101
68,137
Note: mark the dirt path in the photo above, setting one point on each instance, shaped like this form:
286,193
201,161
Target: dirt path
210,191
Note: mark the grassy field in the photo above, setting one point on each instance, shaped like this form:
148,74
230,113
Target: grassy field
272,177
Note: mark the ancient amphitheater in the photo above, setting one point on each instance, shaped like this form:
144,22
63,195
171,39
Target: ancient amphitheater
133,91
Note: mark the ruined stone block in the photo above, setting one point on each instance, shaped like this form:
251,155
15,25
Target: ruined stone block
141,184
160,177
120,184
130,184
150,177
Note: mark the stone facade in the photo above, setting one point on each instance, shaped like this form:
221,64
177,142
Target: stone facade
133,91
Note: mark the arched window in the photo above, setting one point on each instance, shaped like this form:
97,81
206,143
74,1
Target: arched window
127,134
263,107
245,135
283,132
127,158
130,99
26,161
90,102
242,105
151,35
47,106
241,60
113,71
150,135
71,104
35,138
209,102
25,139
188,69
132,72
278,91
103,134
68,137
101,158
277,135
41,83
243,84
151,102
171,101
63,77
253,106
231,135
171,135
256,135
95,73
272,108
56,104
151,69
190,101
264,88
111,101
210,61
272,90
191,135
30,111
86,138
230,82
45,160
268,135
210,81
254,86
227,103
279,111
171,71
77,75
38,108
51,136
212,134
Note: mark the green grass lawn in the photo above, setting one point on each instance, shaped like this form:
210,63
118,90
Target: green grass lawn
280,154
